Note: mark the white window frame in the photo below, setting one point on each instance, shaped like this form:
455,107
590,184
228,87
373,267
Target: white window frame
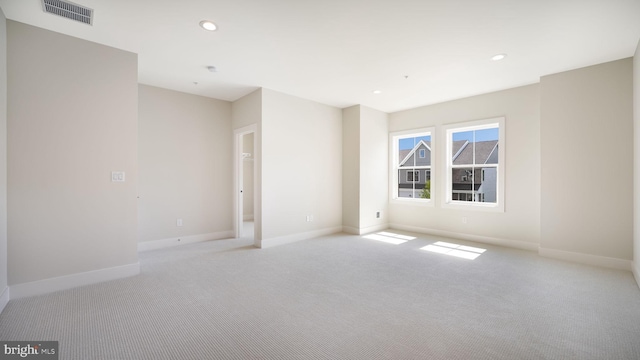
394,150
447,189
422,153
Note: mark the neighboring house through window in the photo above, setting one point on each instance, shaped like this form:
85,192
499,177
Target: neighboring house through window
475,173
411,154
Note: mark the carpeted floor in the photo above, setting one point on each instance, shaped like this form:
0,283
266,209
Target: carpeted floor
341,297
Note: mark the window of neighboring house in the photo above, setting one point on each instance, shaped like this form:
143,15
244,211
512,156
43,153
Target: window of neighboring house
475,164
411,154
413,176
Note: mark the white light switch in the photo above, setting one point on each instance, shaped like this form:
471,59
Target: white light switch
179,222
117,176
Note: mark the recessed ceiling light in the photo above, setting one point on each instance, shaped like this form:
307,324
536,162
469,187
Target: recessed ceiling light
498,57
208,25
377,92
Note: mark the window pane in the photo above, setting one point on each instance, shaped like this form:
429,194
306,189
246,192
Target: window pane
414,155
488,185
475,147
473,162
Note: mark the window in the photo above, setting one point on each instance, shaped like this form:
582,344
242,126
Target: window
475,171
413,176
411,154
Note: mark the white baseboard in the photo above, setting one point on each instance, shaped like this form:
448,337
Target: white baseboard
247,217
587,259
4,298
182,240
366,230
71,281
522,245
635,268
351,230
288,239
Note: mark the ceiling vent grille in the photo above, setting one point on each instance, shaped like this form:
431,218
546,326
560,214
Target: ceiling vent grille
69,10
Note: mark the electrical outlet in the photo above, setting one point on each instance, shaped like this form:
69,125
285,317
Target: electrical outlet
378,215
117,176
464,219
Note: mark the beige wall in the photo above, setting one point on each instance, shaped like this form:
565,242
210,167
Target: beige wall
519,225
3,155
587,160
351,169
70,124
636,143
301,166
185,165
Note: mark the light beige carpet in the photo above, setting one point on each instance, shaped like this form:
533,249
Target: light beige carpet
340,297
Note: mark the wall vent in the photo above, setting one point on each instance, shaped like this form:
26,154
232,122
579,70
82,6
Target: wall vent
69,10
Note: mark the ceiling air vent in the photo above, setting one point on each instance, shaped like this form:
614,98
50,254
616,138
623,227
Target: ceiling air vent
69,10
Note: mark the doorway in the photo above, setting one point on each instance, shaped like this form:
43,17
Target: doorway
245,182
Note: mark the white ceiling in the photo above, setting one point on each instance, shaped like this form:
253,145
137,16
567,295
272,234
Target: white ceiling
417,52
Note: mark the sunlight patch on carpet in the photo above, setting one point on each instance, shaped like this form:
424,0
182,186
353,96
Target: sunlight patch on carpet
461,251
390,238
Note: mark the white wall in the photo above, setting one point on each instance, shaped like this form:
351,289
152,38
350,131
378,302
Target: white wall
247,177
365,166
185,166
636,167
587,162
351,169
247,111
71,123
519,225
374,169
301,168
4,293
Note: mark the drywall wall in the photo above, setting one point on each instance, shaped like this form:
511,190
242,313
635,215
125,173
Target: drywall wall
519,224
4,295
587,161
365,166
247,177
247,112
351,169
301,168
636,167
69,125
374,169
185,166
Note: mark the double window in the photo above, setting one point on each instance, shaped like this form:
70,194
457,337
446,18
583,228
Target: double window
473,165
411,160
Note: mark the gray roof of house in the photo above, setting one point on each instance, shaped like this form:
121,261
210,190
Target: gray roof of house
457,145
402,154
483,151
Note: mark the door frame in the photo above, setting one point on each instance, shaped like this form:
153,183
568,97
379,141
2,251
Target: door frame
238,178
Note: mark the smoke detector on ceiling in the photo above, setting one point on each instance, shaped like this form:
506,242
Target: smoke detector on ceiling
68,10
